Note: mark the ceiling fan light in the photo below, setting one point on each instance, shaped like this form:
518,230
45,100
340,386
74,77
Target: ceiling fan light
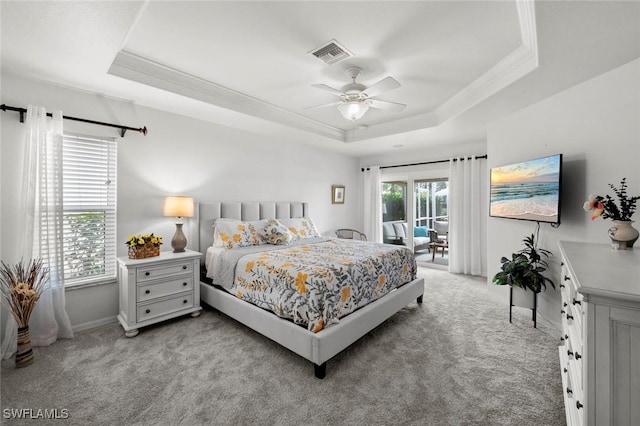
353,110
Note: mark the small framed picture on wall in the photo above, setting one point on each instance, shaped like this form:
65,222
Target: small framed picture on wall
337,194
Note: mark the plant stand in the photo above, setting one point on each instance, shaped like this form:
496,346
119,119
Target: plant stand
534,309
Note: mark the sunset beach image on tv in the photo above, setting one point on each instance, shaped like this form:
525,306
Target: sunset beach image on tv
529,190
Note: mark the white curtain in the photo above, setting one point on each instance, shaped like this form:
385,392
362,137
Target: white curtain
467,215
42,210
373,204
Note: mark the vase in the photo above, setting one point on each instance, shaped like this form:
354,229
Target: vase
24,353
623,235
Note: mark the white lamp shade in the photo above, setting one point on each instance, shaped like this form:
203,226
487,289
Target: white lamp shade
178,206
353,110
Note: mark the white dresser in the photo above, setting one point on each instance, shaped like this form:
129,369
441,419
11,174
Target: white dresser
158,288
600,350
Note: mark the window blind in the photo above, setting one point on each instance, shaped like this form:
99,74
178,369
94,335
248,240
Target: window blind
89,204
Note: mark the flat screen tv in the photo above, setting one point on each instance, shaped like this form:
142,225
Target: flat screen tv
529,190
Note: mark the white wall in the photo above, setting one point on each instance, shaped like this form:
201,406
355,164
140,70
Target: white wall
596,126
180,155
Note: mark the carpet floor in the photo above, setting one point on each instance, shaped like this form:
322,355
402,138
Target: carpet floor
455,360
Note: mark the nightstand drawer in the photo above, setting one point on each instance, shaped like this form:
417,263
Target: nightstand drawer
164,288
165,270
163,307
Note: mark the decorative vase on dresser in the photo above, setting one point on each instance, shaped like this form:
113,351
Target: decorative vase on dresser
600,349
158,288
623,235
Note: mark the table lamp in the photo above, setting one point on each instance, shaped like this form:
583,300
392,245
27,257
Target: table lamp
179,207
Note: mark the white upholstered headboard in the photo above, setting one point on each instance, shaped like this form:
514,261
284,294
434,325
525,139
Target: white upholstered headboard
210,211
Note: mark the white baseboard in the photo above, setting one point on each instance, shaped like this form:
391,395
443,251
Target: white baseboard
93,324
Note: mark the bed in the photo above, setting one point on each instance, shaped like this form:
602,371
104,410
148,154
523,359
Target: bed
315,343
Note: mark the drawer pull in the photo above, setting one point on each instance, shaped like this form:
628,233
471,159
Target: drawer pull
184,284
147,291
561,285
566,336
565,369
562,339
578,356
148,311
564,305
569,317
569,353
184,266
185,301
579,405
577,302
147,273
569,390
566,278
561,263
562,311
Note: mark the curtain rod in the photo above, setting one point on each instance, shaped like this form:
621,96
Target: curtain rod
477,157
123,129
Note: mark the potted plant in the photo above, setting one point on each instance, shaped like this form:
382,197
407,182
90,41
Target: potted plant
525,270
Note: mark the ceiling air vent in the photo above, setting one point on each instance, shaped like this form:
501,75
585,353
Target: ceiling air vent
331,52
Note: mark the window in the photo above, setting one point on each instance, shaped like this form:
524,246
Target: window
394,200
89,203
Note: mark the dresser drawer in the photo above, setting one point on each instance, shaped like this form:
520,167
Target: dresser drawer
164,288
572,394
163,307
164,270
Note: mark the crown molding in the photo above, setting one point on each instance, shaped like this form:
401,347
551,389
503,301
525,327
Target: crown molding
137,68
513,67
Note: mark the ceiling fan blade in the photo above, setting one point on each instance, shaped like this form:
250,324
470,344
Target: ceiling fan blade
386,105
327,88
384,85
323,105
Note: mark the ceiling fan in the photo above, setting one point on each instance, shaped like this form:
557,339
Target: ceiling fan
356,98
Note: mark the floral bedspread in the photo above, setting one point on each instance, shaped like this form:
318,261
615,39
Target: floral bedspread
316,284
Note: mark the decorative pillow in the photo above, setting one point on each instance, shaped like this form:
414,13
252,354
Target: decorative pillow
230,233
301,228
276,233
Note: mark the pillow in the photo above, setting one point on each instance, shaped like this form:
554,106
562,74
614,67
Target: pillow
276,233
420,231
301,228
230,233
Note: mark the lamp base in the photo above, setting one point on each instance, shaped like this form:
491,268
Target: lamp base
179,240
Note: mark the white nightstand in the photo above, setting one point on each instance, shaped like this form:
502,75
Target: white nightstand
158,288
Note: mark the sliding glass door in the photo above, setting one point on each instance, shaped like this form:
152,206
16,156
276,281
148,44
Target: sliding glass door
431,198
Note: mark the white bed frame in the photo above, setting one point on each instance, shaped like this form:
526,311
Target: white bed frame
316,347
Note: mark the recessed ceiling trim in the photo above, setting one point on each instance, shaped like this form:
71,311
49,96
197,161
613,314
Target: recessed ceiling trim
514,66
136,68
403,125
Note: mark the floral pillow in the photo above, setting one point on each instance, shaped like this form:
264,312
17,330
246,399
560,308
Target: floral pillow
276,233
230,233
301,228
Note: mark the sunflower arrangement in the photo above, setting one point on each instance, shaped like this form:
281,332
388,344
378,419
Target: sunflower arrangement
21,285
140,240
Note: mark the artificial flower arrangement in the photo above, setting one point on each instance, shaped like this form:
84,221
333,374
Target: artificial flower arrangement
138,240
143,245
22,284
606,206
